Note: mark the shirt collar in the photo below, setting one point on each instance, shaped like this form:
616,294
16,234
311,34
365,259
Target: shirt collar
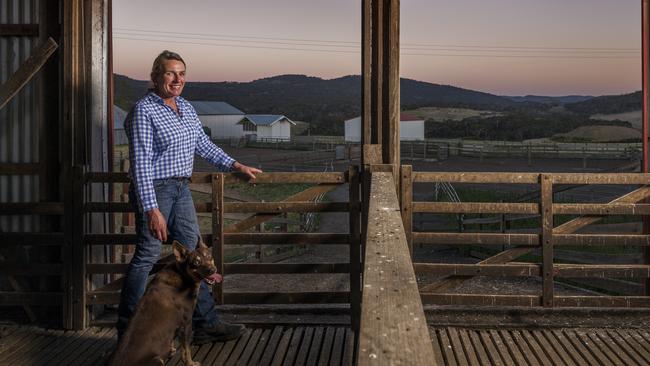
180,101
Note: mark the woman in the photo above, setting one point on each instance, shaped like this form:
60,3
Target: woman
164,134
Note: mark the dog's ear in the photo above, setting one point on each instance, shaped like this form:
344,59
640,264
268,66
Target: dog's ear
201,244
180,252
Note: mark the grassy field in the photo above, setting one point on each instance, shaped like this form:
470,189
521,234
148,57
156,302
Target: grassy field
440,114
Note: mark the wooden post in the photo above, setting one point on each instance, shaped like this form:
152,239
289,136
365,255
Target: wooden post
406,203
547,239
366,69
77,281
355,247
391,92
377,76
217,233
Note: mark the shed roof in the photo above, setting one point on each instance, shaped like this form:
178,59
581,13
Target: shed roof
267,119
208,107
119,115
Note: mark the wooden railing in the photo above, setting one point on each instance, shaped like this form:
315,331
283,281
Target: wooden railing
519,244
393,329
235,235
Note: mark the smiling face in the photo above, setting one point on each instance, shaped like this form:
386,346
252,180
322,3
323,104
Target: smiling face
170,82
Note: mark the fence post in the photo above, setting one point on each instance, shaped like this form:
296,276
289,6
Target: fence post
355,246
406,204
75,253
217,233
547,239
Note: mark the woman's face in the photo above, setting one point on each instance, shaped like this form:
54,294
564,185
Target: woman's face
170,84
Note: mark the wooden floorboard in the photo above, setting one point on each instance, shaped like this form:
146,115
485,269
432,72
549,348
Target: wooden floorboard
544,346
278,345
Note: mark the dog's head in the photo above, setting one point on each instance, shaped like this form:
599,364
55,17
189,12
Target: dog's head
197,264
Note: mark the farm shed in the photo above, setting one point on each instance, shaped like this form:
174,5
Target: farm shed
267,126
411,128
220,117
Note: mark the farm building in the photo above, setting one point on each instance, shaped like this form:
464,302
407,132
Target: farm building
411,128
220,117
119,134
267,126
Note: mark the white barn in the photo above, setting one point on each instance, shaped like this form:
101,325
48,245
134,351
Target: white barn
220,117
411,128
267,126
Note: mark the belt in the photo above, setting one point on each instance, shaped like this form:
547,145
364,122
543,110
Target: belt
179,178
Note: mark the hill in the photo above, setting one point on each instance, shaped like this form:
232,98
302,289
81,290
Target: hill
600,134
609,104
551,100
324,103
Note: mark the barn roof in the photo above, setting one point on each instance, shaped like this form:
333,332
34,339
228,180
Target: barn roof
405,117
119,115
266,119
208,107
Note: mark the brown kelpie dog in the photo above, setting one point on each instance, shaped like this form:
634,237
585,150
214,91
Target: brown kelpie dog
165,310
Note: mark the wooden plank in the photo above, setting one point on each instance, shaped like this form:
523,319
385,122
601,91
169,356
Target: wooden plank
108,207
532,350
255,220
27,70
92,268
556,351
490,348
476,207
579,355
565,347
31,208
292,351
19,30
527,270
457,346
282,207
259,336
391,92
548,283
275,268
601,240
203,352
15,298
622,345
31,269
286,298
636,342
531,240
480,300
273,346
475,177
601,209
580,340
393,326
239,348
37,340
479,347
337,347
501,347
218,234
467,347
19,168
301,358
449,283
597,343
80,344
447,348
278,353
283,178
601,178
349,348
104,336
354,226
287,238
53,349
25,238
366,69
326,348
406,203
314,349
513,350
218,355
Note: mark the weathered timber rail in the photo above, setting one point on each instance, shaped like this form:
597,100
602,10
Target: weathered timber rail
393,329
236,235
519,244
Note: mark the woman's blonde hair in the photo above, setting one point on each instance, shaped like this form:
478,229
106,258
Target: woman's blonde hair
158,67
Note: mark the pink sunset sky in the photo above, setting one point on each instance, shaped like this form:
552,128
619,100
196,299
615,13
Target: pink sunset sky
505,47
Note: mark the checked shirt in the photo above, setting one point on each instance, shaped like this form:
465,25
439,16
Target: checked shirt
162,145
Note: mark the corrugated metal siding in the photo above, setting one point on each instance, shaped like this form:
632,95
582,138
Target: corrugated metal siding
19,118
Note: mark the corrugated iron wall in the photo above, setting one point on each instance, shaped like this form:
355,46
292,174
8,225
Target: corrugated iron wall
19,120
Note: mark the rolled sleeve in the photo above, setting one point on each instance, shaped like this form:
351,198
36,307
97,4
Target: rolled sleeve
141,152
211,152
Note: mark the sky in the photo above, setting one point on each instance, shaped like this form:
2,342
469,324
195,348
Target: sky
504,47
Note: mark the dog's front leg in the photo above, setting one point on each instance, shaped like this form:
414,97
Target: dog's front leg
185,335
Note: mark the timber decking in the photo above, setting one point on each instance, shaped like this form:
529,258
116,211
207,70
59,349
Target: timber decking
332,345
275,346
559,346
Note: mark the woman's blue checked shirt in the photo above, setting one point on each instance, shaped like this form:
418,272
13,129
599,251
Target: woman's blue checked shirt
162,144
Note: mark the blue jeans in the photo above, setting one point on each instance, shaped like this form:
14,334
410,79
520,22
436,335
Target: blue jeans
175,203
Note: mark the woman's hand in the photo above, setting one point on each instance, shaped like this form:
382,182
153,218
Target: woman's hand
246,170
157,224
